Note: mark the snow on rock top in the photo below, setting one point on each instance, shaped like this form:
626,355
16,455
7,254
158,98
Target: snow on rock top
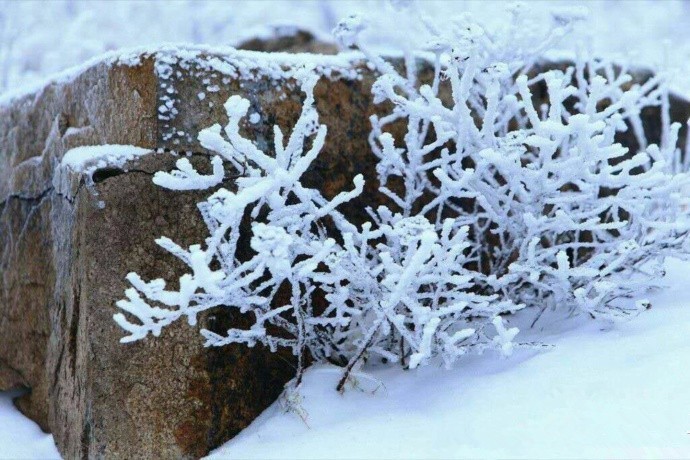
89,158
244,64
225,60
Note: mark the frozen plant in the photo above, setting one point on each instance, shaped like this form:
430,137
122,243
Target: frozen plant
276,285
509,189
397,287
560,214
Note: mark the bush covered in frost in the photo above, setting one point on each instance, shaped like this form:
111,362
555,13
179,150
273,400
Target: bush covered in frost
559,212
495,205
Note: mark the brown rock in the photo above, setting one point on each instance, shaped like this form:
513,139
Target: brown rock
65,256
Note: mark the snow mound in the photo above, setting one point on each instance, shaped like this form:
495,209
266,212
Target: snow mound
602,391
89,158
21,437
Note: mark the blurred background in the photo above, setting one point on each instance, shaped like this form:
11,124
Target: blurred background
38,38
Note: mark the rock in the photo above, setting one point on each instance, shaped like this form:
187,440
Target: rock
289,40
67,244
34,132
164,396
67,240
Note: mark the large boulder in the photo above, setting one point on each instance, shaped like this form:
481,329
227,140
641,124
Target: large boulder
68,239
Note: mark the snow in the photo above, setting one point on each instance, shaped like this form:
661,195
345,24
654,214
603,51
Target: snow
19,436
88,158
600,391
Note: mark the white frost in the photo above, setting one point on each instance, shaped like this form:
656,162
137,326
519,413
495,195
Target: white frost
91,157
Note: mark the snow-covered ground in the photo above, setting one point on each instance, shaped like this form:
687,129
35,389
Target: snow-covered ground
21,437
599,392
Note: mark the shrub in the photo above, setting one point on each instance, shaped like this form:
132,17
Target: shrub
560,213
495,205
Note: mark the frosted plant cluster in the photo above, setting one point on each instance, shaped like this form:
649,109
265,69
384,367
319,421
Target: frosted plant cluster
396,287
495,204
560,213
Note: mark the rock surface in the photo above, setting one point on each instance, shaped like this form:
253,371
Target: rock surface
67,243
67,240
